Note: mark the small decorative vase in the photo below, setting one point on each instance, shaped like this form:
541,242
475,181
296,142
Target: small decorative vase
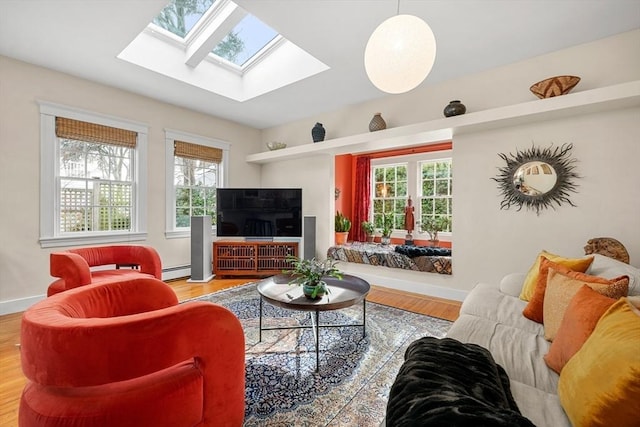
318,132
434,243
370,238
455,108
377,123
308,291
385,240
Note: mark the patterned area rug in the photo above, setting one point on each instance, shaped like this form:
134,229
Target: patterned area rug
355,374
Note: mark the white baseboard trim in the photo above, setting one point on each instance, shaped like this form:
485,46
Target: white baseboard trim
368,273
21,304
18,305
205,280
176,272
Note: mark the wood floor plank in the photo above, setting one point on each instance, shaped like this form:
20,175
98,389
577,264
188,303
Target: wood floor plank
12,381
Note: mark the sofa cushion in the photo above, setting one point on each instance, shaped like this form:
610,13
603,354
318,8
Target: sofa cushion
446,382
488,302
600,385
518,351
531,280
583,312
608,267
562,287
541,407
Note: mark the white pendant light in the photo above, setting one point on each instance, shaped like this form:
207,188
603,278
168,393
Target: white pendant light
400,54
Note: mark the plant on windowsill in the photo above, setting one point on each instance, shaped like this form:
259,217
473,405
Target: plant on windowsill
387,228
342,227
433,225
369,229
310,274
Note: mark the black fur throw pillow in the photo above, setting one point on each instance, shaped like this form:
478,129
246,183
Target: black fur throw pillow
444,382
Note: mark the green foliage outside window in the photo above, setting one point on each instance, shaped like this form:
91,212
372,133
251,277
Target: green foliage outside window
436,200
195,185
390,196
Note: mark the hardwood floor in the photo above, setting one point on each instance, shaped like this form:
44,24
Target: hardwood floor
12,380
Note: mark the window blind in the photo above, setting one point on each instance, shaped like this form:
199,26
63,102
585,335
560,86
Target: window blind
197,152
92,132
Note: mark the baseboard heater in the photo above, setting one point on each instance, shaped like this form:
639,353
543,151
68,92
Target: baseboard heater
178,272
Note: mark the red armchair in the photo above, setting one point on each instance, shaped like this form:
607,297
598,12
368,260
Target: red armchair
73,267
126,353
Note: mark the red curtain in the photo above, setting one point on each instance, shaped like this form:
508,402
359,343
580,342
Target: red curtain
362,197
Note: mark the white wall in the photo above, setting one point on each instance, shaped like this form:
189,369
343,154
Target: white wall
24,266
488,242
317,180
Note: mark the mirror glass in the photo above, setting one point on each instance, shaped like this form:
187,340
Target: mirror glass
535,178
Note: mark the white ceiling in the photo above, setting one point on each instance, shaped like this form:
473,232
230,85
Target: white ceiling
84,37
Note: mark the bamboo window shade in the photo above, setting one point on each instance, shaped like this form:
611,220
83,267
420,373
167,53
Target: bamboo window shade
188,150
92,132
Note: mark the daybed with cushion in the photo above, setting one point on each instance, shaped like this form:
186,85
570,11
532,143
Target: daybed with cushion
76,267
589,374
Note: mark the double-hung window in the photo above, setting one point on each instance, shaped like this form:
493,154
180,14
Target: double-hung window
426,177
195,169
390,186
435,190
91,182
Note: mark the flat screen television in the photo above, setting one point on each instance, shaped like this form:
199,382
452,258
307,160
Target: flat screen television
259,212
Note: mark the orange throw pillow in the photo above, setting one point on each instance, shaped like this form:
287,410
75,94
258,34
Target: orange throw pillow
562,287
534,310
585,309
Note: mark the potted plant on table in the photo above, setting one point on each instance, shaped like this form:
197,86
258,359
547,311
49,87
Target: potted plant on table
369,229
342,227
310,274
433,225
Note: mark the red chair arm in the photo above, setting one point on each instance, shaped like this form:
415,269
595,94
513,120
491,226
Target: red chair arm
70,267
149,260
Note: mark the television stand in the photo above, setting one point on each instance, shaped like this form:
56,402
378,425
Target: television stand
256,258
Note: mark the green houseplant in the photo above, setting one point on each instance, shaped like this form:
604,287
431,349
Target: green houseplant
369,229
310,274
433,225
342,227
387,228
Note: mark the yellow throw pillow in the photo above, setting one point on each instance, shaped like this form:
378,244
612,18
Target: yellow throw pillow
600,385
576,264
561,287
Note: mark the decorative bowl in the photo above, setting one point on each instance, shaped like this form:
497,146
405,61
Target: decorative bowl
275,145
554,86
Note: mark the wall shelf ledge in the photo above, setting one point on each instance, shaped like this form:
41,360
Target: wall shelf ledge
623,95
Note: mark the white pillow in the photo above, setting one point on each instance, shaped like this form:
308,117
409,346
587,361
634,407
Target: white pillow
606,267
511,284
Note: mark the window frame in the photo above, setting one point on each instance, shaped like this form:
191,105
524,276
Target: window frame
393,164
421,196
50,235
171,135
413,184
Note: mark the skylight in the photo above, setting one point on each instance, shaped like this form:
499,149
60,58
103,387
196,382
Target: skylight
219,47
245,40
180,16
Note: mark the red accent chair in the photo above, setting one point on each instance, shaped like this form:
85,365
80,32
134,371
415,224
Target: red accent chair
125,353
73,267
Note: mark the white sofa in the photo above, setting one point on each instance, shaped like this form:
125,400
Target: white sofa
491,316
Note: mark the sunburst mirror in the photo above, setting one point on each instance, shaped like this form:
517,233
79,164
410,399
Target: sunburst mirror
537,178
